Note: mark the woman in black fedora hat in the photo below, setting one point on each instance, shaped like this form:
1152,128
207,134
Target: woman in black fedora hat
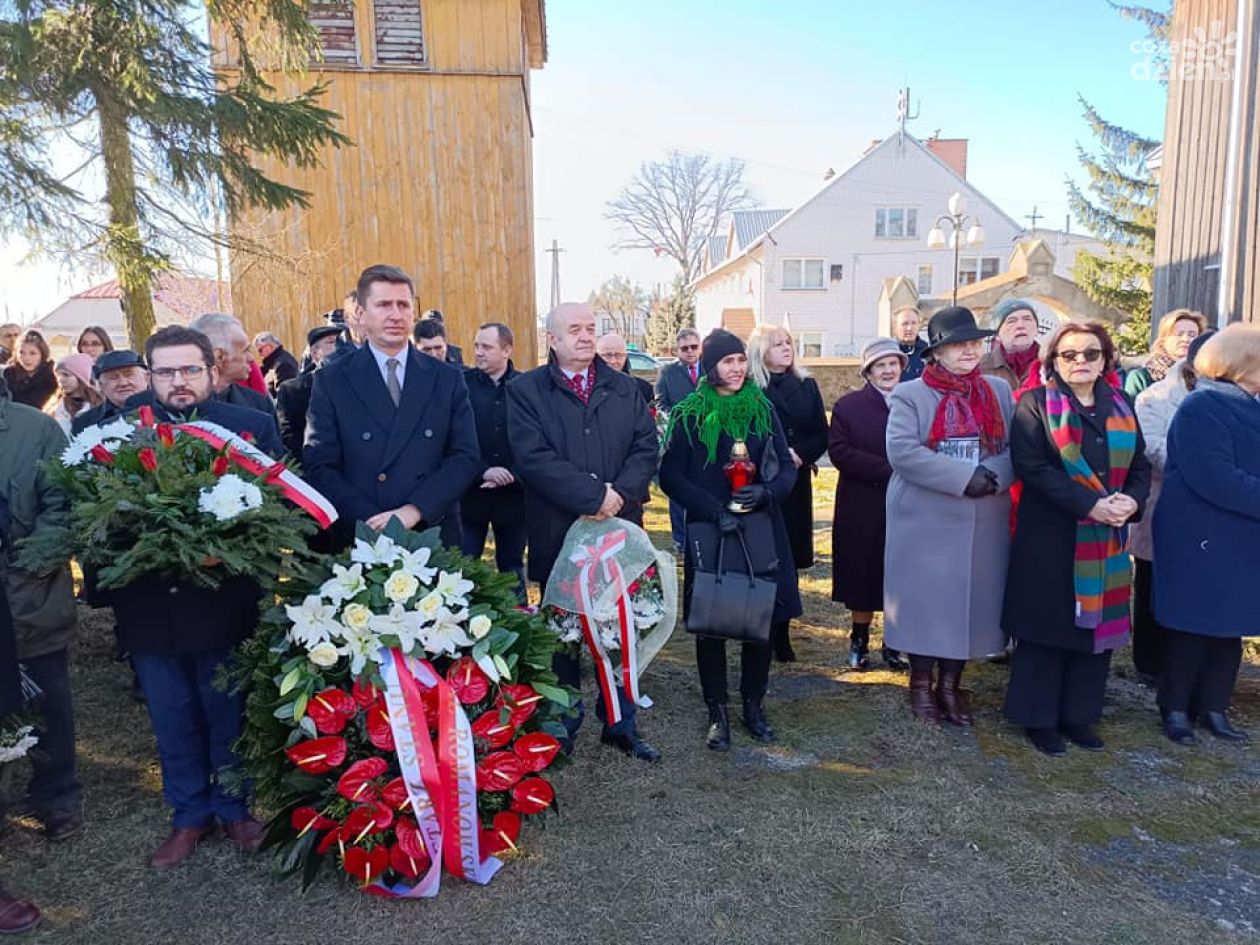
948,515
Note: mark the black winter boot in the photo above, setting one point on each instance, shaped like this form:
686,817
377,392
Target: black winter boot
755,721
719,737
859,645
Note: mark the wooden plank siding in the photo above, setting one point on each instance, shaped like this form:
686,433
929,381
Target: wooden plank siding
439,180
1191,212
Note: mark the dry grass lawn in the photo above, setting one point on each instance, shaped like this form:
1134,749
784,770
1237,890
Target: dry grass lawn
860,826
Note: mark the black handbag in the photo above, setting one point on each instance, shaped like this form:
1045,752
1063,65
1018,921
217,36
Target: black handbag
705,540
732,604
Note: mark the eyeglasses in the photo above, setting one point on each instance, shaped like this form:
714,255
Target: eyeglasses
688,347
1089,355
190,372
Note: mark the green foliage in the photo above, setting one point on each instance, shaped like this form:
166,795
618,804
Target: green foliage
128,88
127,521
1119,209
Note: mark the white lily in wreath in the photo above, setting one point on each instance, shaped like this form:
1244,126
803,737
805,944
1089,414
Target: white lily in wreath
382,551
446,635
345,584
406,625
314,622
454,588
416,563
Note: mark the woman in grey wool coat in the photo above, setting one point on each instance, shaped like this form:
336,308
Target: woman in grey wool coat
948,516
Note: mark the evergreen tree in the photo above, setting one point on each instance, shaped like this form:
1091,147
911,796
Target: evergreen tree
1119,209
119,140
668,315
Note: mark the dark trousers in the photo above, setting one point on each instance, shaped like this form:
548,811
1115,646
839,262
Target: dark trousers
568,669
754,669
1148,635
196,726
677,524
54,786
509,547
1051,687
1198,673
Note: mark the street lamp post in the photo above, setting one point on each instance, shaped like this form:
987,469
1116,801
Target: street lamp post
958,222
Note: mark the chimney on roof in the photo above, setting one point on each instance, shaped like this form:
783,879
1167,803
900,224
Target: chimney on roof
829,173
953,151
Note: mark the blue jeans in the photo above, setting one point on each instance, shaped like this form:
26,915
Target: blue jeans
196,726
509,547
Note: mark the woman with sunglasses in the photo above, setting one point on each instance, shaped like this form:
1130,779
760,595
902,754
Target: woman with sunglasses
1077,449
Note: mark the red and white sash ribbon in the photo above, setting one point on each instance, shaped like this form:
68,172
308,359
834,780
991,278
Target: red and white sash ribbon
604,554
441,778
254,460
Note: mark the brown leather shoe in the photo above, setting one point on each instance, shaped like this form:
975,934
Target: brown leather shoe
179,846
247,834
921,702
953,702
17,915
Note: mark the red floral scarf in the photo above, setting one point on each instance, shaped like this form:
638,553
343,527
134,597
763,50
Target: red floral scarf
969,408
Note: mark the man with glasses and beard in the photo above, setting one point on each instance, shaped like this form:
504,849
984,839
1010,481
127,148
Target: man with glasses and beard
180,634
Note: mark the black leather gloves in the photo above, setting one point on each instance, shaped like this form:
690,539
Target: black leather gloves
984,481
751,497
727,522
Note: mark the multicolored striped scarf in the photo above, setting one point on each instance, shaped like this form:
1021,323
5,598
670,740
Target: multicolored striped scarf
1101,568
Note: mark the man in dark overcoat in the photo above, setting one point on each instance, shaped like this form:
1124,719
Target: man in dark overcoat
584,445
390,432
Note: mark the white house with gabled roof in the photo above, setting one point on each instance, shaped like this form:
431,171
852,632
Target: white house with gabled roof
819,269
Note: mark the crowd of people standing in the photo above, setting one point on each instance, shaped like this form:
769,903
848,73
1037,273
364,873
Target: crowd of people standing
991,491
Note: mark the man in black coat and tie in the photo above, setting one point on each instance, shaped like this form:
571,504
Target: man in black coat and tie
277,364
180,634
390,432
495,500
677,380
584,444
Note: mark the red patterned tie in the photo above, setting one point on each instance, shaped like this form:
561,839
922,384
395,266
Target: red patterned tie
692,370
577,384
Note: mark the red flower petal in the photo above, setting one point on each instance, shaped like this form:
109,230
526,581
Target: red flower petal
395,794
536,750
490,730
148,459
471,685
327,840
356,784
364,693
318,755
147,418
532,796
502,835
166,434
521,701
380,733
330,710
305,819
408,834
499,771
365,865
406,865
220,466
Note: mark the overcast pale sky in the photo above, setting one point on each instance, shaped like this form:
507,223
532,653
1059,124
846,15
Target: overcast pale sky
791,87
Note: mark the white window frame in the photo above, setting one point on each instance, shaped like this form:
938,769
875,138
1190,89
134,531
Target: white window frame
806,340
925,269
800,265
971,268
909,223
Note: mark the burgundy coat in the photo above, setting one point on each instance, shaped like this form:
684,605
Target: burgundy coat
856,445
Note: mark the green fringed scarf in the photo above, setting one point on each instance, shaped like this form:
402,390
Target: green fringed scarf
707,414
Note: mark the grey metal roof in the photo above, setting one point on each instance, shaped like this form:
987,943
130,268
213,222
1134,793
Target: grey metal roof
750,224
717,250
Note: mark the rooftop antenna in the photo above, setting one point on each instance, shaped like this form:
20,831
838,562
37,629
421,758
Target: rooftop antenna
1034,217
903,113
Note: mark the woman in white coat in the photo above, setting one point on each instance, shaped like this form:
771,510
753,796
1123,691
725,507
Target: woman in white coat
1155,408
948,508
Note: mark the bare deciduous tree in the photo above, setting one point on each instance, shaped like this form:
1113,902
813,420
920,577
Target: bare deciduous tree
672,206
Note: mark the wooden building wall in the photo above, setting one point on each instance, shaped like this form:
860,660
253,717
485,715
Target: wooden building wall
1192,200
439,179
